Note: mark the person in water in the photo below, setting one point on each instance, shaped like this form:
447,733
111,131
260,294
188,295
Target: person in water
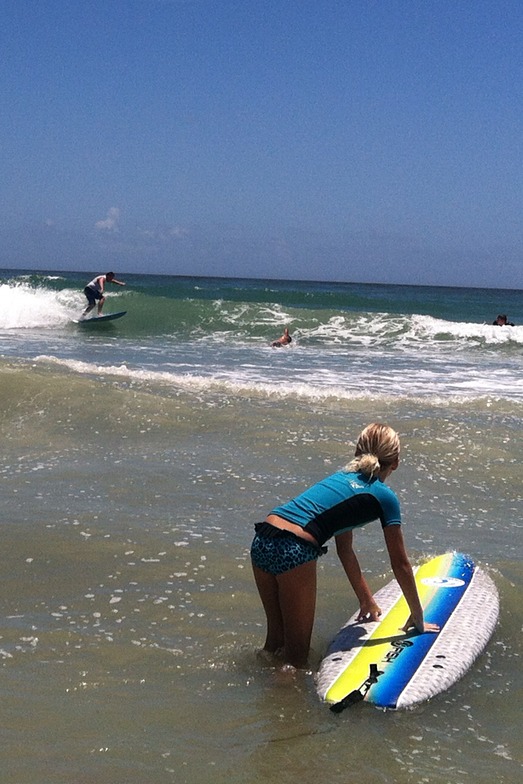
95,291
287,544
284,340
502,321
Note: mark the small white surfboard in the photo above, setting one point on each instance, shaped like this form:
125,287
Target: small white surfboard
379,663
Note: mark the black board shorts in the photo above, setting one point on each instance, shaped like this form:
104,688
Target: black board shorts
92,295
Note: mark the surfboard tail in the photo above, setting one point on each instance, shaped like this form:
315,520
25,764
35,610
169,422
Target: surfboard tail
358,695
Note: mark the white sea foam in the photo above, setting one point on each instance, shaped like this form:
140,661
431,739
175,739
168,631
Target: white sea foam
25,307
430,327
321,383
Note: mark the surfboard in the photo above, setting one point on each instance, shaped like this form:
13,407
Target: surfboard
101,319
378,663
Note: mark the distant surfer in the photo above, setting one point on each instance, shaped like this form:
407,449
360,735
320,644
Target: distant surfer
287,544
284,340
95,291
502,321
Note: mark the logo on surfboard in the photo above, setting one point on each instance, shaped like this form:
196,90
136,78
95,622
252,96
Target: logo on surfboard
443,582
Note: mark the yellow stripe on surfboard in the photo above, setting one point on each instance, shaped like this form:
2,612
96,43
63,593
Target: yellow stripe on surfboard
372,652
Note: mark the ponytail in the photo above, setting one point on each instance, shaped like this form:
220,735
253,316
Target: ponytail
378,447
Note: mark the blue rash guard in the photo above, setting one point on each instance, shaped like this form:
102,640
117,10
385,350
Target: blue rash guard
341,502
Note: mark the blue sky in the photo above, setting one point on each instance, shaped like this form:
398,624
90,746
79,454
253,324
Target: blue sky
349,140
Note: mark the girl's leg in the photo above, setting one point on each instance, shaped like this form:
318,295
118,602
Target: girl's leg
296,597
268,589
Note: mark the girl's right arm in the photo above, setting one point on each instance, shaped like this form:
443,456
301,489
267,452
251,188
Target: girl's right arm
369,610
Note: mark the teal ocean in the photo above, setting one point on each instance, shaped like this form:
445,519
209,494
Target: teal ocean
137,455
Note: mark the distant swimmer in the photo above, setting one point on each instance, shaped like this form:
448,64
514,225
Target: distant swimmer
502,321
95,291
284,340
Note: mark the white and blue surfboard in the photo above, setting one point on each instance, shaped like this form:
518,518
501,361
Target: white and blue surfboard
100,319
378,663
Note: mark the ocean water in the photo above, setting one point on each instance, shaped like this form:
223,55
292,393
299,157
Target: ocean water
138,454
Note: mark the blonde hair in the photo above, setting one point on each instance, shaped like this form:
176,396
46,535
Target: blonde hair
378,447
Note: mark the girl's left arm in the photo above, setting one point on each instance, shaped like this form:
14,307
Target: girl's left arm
403,573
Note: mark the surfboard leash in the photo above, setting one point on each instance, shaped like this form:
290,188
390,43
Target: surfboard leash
358,695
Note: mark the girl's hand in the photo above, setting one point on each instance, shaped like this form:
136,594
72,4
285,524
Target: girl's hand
421,627
369,611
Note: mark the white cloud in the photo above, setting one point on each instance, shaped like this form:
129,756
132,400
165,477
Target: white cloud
110,223
164,233
179,232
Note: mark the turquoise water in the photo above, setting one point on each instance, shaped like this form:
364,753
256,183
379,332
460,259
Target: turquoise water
136,457
348,339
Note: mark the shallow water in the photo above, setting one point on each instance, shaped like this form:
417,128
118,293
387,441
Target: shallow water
130,625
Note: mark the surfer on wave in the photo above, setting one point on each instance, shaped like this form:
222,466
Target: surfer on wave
288,543
95,291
